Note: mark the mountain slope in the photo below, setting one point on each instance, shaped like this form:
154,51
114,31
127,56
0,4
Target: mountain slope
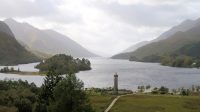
182,27
126,53
11,52
122,56
136,46
46,41
190,50
171,45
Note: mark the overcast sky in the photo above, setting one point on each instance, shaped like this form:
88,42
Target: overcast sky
105,27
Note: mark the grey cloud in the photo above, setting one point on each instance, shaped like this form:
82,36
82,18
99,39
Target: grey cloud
123,20
26,8
46,9
65,19
150,15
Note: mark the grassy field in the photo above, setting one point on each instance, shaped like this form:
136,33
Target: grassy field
100,103
149,103
7,109
27,73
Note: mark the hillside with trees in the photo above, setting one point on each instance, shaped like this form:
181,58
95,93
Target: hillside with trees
187,56
176,36
170,45
171,50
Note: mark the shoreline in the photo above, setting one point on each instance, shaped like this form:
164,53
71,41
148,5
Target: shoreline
26,73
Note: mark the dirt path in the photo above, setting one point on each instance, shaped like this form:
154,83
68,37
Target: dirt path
112,104
114,101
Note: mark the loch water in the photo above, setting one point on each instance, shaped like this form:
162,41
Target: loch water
131,74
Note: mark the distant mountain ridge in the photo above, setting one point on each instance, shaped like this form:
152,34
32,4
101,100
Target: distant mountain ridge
126,53
170,45
184,26
148,49
136,46
46,41
11,52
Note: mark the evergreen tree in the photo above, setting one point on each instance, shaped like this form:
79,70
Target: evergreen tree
50,81
69,96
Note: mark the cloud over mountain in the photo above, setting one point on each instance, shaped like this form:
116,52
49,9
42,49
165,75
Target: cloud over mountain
115,24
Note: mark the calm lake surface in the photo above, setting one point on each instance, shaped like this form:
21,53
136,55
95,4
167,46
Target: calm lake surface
131,74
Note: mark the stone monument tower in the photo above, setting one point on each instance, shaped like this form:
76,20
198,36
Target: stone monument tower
115,84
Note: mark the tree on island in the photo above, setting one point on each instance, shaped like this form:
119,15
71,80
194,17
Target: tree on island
63,64
7,70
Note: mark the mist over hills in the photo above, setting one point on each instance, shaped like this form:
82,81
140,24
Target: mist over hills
136,46
126,53
46,41
184,26
170,42
11,52
170,45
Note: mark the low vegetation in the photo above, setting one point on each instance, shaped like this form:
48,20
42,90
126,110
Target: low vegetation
181,61
17,95
193,91
106,91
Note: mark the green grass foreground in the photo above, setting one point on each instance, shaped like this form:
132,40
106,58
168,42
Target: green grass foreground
150,103
100,103
28,73
7,109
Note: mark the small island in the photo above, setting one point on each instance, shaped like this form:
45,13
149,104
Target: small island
64,64
61,62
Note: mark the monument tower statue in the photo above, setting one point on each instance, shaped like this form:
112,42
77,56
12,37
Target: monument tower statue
115,84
